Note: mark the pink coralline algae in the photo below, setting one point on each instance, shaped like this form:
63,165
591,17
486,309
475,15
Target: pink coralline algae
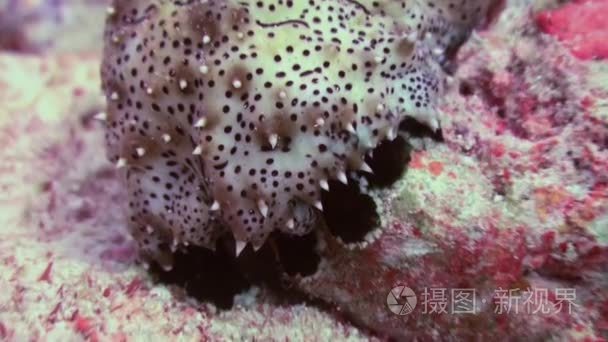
240,116
514,202
581,25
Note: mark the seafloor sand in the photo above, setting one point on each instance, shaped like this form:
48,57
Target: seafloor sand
516,193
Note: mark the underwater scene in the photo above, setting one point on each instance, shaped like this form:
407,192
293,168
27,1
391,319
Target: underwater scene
304,170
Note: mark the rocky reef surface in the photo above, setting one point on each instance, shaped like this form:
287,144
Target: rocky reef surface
508,202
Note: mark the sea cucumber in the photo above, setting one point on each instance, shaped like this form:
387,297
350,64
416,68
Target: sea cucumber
235,116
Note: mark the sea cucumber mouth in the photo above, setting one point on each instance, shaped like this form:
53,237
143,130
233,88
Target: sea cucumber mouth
218,275
415,129
350,212
204,274
298,255
388,161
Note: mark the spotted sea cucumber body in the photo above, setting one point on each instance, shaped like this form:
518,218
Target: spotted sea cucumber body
233,115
